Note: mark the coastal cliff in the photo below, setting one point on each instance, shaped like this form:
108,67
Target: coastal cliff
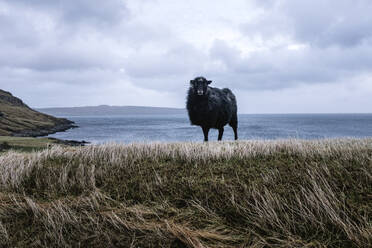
18,119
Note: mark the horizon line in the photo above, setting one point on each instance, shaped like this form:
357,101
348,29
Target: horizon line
178,108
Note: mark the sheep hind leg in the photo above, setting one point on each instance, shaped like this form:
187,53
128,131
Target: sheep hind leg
220,133
234,125
235,128
205,132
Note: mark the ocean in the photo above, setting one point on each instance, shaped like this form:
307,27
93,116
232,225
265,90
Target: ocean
176,128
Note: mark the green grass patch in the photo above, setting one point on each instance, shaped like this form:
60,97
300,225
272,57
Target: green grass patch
26,144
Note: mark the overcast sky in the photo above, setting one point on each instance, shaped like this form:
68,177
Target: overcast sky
284,56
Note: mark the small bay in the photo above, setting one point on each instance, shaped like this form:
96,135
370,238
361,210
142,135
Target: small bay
176,128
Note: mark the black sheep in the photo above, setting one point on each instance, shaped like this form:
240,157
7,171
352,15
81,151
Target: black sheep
211,107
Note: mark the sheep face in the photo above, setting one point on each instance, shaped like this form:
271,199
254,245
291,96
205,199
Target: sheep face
200,85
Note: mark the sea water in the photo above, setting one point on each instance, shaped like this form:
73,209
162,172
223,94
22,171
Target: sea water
175,128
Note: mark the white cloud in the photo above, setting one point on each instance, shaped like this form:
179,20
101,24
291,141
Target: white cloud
318,98
277,56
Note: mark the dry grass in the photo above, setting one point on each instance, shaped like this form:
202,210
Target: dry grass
289,193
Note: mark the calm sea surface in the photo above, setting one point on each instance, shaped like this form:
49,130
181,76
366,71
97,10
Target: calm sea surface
170,128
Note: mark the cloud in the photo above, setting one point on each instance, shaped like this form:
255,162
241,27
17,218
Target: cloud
318,23
116,52
89,12
345,23
283,68
60,35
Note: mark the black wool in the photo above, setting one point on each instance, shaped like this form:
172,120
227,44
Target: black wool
210,107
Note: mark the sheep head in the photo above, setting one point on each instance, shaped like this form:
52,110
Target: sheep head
200,85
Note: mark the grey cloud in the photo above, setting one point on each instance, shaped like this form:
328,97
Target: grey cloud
264,3
90,12
283,68
318,23
276,68
50,57
325,23
33,37
38,79
16,30
181,59
63,46
73,58
337,36
221,50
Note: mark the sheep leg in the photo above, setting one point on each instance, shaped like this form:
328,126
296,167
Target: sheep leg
205,132
234,125
220,133
235,128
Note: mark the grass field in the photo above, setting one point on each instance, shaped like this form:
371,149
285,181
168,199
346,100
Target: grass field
26,144
289,193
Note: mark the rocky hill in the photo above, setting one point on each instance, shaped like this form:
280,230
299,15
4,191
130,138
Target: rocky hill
18,119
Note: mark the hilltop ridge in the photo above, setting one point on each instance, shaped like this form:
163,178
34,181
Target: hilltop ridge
18,119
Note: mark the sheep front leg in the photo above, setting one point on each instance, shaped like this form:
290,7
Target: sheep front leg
220,133
205,132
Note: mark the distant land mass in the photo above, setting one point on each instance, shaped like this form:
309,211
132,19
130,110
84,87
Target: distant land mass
18,119
106,110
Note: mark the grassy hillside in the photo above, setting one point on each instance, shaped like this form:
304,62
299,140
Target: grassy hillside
230,194
16,118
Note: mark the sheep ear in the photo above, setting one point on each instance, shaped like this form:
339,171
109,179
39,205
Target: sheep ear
209,81
192,82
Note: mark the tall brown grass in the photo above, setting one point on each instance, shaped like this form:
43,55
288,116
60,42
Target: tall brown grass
284,193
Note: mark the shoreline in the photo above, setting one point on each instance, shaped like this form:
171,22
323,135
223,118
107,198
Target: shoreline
63,126
36,139
60,127
31,144
69,142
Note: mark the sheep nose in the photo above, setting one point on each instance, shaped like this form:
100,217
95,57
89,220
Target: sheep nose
200,92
